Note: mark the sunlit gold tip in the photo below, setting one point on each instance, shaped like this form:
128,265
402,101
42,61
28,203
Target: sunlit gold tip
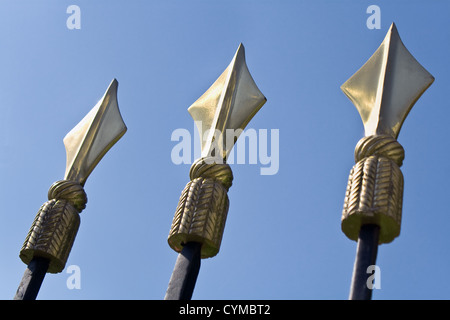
230,103
92,137
387,86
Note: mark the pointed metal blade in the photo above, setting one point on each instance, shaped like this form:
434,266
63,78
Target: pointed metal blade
387,86
89,140
230,103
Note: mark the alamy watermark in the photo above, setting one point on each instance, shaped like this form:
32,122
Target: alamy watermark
252,147
374,20
374,280
74,280
74,20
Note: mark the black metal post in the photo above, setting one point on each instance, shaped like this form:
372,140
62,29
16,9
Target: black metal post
32,279
184,275
366,255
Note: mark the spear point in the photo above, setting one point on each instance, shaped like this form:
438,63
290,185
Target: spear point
387,86
92,137
230,103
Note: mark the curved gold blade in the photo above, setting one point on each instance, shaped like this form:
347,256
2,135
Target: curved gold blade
387,86
89,140
230,103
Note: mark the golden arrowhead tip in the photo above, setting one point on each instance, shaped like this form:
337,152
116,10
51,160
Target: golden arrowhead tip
92,137
227,106
387,86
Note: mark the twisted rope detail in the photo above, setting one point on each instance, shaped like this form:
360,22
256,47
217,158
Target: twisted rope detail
380,145
70,191
207,168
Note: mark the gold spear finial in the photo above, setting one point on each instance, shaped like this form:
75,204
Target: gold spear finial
387,86
55,226
230,103
92,137
384,90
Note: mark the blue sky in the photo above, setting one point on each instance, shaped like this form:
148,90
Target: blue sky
282,239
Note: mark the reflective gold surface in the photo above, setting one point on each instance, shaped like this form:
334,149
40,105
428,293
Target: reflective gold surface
387,86
202,209
56,224
384,90
230,103
375,188
90,139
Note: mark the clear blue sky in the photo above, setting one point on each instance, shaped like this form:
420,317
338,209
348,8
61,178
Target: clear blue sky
282,239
